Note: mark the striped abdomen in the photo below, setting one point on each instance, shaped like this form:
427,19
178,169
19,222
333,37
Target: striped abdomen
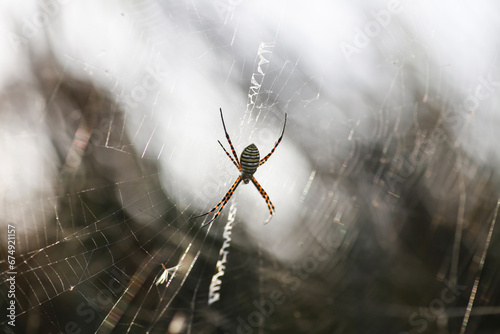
249,162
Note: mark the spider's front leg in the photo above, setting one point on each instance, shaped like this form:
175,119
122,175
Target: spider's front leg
261,162
229,140
270,205
222,203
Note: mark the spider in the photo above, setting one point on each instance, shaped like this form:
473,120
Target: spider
249,163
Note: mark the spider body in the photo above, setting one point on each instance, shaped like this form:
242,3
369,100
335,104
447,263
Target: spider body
249,160
247,166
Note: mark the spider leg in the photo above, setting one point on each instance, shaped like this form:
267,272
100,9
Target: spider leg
222,203
230,157
266,197
229,139
263,160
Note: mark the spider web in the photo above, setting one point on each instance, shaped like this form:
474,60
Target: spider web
385,184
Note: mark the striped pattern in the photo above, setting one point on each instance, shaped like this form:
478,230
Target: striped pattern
249,161
266,198
223,202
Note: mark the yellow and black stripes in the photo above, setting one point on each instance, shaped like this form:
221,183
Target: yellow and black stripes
249,161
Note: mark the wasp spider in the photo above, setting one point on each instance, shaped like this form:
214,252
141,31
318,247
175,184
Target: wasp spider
247,165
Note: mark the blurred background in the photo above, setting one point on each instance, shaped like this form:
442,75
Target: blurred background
386,182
